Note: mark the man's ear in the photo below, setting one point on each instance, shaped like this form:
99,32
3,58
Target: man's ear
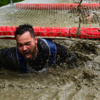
36,40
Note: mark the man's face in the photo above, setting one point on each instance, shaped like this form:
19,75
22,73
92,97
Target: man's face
27,45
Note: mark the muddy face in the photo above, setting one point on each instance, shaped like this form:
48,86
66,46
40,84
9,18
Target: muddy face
27,45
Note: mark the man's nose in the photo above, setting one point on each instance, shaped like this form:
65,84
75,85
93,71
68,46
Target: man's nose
24,48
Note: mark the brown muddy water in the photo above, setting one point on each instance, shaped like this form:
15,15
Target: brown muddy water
11,16
60,83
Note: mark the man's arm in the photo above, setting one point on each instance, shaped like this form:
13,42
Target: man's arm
8,58
66,56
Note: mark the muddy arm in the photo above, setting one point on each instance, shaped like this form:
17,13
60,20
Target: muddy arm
64,55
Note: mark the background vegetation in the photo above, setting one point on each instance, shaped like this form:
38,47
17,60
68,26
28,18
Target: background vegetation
5,2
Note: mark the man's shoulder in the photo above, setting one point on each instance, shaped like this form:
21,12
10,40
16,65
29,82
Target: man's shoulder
42,44
42,47
7,51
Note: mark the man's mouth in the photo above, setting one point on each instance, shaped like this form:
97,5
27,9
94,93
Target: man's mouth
27,55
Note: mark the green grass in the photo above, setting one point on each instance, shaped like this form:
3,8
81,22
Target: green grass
5,2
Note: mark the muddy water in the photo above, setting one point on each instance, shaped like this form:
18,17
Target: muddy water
43,18
11,16
60,83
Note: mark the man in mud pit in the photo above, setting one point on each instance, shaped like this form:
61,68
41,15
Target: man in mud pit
34,55
88,17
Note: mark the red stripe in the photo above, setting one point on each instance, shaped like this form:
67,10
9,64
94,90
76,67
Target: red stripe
89,33
56,6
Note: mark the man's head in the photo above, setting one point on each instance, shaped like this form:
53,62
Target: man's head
26,41
87,16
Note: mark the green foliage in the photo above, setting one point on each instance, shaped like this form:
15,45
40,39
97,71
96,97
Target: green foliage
5,2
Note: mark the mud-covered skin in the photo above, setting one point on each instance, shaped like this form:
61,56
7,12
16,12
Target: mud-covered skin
8,57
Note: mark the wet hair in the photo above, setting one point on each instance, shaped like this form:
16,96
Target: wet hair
24,28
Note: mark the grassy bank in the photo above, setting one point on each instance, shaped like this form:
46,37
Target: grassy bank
5,2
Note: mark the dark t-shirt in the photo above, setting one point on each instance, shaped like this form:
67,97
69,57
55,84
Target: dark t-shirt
9,59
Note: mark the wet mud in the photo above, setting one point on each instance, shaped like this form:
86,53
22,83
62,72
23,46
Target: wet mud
11,16
58,83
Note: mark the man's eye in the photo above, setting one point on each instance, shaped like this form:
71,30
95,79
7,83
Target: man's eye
19,45
28,44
